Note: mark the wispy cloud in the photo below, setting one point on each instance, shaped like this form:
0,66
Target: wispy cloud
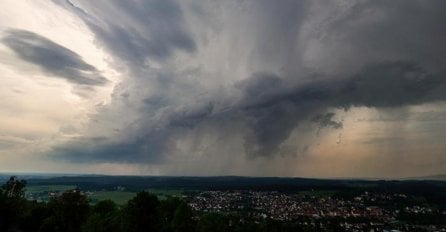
53,58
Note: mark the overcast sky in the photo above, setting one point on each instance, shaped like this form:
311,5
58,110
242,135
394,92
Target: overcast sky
236,87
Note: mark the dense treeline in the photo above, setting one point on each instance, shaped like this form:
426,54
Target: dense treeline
72,212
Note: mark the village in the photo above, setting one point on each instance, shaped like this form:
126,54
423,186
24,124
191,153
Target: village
364,212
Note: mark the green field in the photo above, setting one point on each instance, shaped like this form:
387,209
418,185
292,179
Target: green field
164,193
121,197
48,188
41,192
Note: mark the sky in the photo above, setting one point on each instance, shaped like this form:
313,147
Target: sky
316,88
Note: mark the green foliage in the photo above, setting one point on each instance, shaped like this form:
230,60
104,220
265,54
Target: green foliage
143,213
12,204
168,208
119,197
182,219
105,207
70,211
38,212
213,222
14,188
105,217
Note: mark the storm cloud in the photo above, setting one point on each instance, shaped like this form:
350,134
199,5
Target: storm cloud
53,58
145,30
274,109
274,68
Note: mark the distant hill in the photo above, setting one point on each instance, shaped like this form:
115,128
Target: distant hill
137,183
440,177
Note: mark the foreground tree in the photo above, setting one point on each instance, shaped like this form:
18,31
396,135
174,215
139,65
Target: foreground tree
14,188
13,205
143,214
182,220
70,211
213,222
105,217
167,211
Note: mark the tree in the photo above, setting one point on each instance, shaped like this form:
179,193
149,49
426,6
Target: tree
37,214
70,211
13,205
167,209
14,188
182,220
105,218
143,214
105,207
213,222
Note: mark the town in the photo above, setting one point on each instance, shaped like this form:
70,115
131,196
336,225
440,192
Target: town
364,212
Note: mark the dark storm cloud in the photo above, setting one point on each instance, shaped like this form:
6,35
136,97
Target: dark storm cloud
373,31
150,29
138,32
326,120
274,111
146,148
387,55
52,57
260,84
387,84
149,145
190,118
392,85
